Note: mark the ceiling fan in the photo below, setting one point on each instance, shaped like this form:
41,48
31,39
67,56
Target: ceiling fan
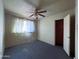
37,13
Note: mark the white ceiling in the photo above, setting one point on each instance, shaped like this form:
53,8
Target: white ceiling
25,7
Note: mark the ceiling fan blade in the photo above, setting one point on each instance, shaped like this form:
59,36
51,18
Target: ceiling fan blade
31,15
41,15
42,11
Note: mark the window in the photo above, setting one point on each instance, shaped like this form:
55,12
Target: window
23,26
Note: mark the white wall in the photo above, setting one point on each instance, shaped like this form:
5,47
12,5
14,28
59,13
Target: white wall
1,28
76,31
47,26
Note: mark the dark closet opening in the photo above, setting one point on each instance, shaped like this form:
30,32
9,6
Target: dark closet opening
59,32
72,36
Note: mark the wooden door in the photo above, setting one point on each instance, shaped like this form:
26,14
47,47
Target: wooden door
59,32
67,34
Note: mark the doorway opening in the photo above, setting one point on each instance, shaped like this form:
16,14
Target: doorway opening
59,32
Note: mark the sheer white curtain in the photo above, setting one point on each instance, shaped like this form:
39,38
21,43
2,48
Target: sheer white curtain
23,26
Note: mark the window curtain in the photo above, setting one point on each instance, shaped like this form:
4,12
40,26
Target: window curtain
23,26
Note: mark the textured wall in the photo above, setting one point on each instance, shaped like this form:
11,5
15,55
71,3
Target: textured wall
47,26
12,39
1,28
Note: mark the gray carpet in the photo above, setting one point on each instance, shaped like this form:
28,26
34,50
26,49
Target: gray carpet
35,50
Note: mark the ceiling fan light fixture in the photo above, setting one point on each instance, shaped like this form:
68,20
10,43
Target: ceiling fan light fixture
38,13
